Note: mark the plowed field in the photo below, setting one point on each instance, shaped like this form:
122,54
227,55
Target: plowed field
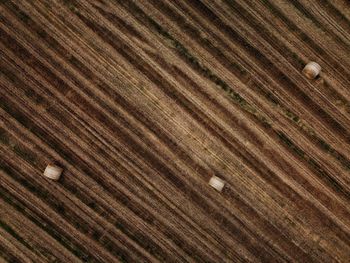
142,102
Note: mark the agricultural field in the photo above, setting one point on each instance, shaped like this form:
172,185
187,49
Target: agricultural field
142,102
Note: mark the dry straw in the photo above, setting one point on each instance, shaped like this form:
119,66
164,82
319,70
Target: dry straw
217,183
53,172
312,70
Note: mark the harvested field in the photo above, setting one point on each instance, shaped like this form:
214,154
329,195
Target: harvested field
142,102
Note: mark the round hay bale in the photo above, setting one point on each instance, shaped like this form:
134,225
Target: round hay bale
53,172
217,183
312,70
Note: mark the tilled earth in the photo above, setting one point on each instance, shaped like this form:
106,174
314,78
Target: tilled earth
142,102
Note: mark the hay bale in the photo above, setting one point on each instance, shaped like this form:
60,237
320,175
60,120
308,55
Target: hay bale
217,183
312,70
53,172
